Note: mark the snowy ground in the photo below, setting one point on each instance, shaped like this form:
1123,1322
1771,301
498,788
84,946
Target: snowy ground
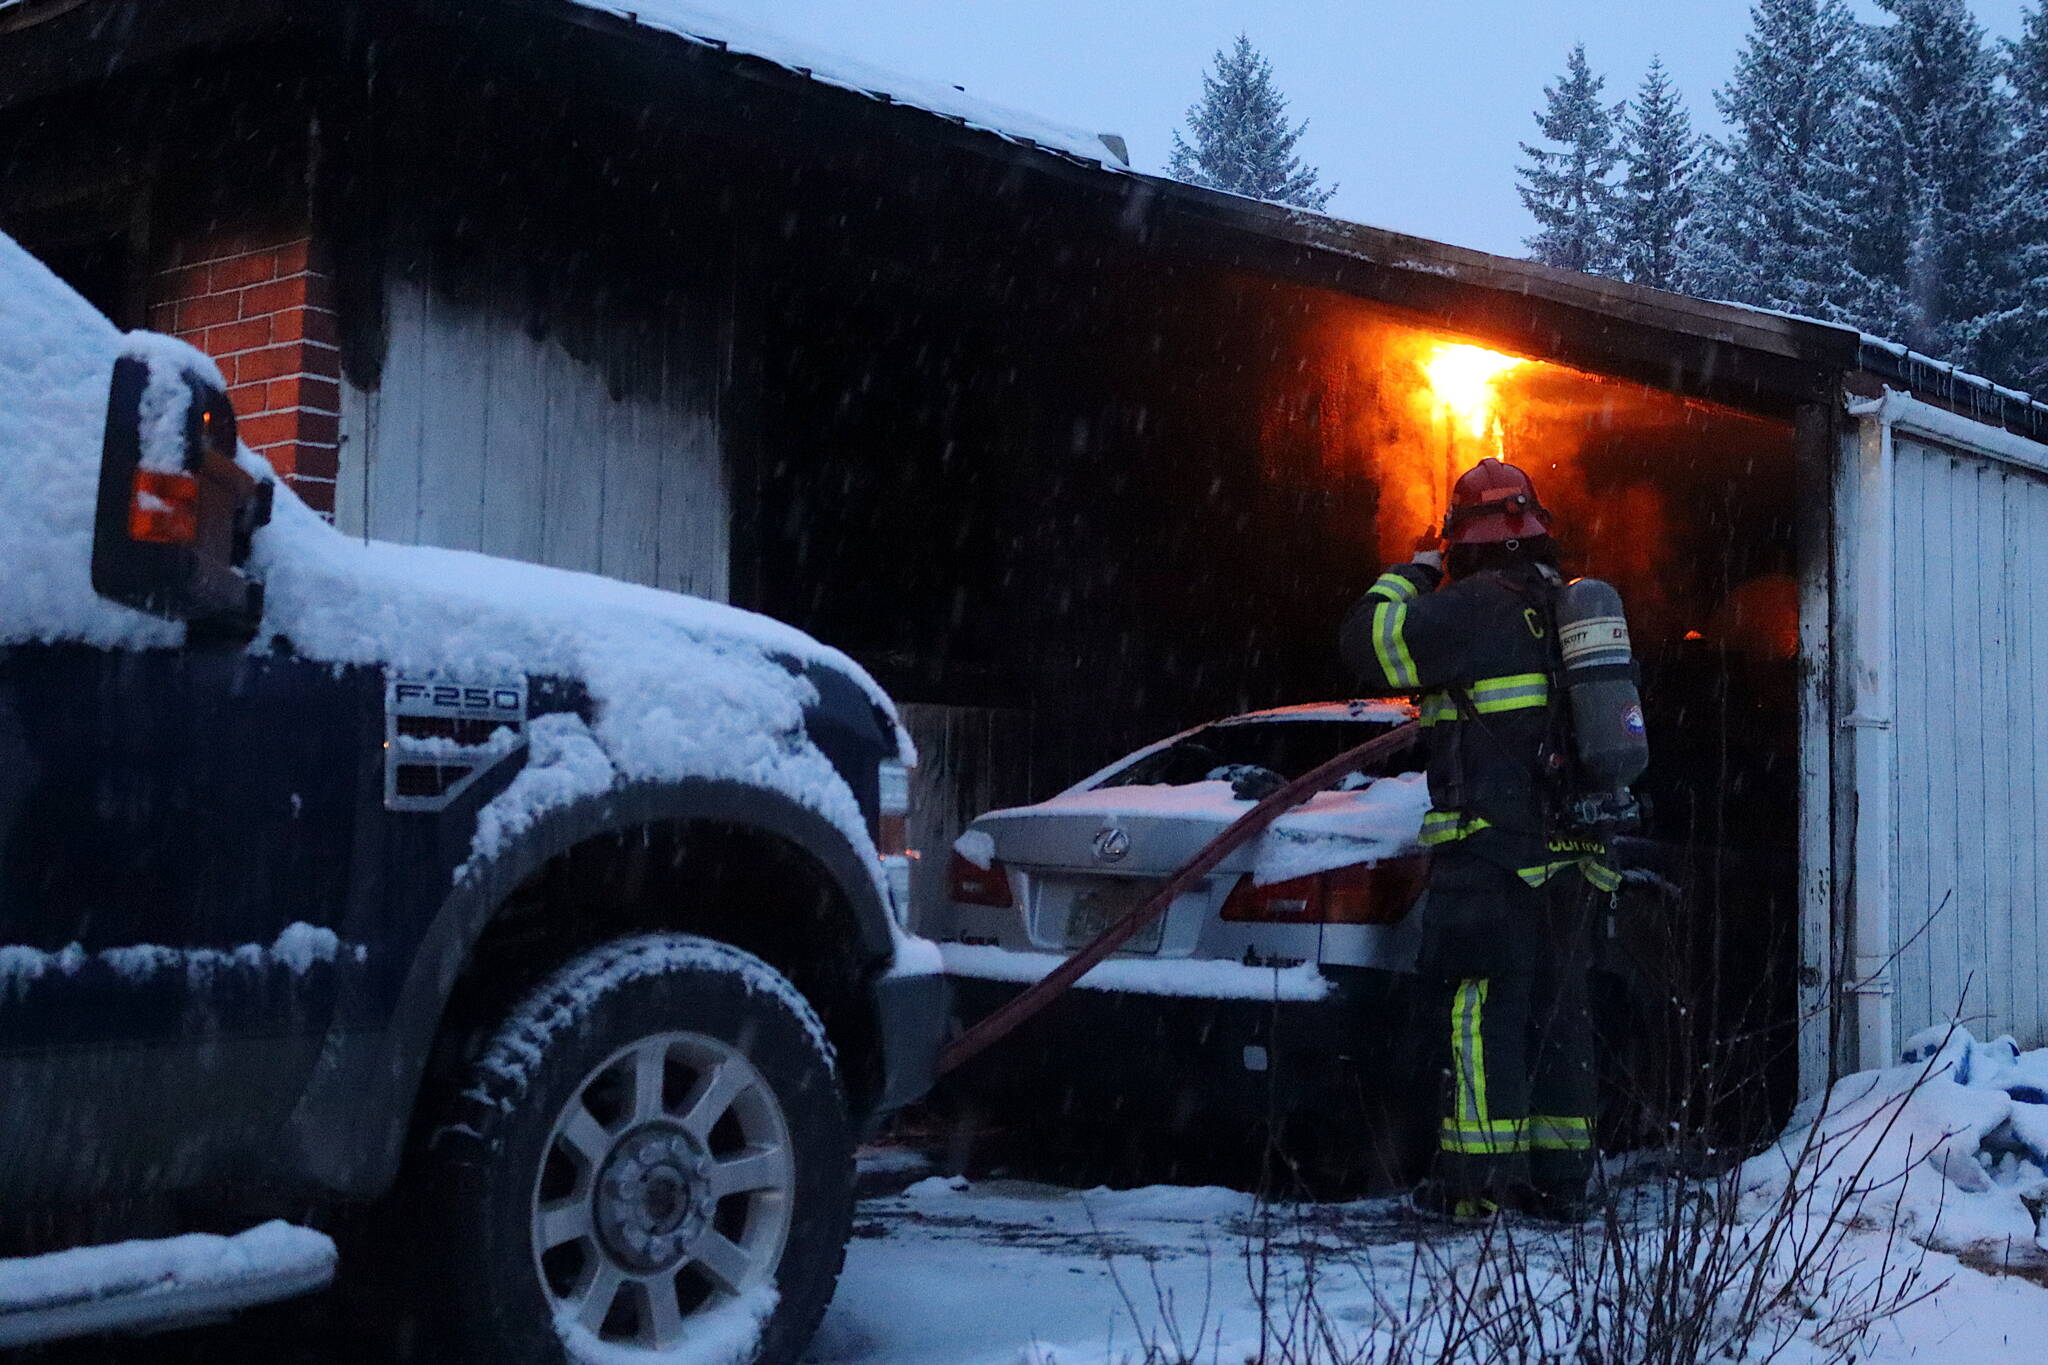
1015,1272
1007,1272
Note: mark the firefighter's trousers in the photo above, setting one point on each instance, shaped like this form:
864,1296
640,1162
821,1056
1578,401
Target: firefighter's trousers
1520,1089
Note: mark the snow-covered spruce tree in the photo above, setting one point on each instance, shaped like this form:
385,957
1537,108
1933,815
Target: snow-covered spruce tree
1569,187
2012,342
1772,213
1242,142
1930,149
1654,208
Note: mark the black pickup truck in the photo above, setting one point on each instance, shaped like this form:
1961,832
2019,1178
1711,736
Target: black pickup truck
542,924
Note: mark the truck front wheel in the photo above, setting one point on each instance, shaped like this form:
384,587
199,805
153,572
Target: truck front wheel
651,1156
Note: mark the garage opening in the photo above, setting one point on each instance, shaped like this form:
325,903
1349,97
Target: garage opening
1688,508
1073,494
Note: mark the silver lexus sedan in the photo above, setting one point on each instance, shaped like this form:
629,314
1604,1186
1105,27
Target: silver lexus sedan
1267,1000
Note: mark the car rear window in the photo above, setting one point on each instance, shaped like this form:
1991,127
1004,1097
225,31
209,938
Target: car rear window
1288,747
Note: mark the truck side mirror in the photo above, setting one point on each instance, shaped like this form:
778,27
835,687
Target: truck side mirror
176,513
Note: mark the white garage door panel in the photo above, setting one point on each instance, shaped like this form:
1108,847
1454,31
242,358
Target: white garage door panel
1971,742
482,437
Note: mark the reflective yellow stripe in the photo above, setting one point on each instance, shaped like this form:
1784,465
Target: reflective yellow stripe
1468,1010
1541,873
1502,1137
1437,709
1557,1133
1515,692
1464,1104
1490,696
1390,644
1448,826
1603,877
1396,587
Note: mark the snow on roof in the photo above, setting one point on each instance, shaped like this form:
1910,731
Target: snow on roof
1903,357
714,28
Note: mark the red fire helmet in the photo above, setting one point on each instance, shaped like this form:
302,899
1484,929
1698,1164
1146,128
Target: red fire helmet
1492,502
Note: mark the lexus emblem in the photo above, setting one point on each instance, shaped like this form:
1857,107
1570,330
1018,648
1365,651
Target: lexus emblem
1111,845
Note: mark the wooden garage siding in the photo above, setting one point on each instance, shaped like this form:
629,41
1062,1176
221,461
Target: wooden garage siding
1970,906
481,436
970,760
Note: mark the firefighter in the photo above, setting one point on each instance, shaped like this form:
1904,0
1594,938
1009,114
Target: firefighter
1507,933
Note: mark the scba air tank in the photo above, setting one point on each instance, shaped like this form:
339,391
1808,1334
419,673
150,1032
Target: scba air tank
1608,735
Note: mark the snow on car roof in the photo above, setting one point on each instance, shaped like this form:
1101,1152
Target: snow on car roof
712,27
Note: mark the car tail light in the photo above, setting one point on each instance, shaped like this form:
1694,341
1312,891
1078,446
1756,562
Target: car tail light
892,833
1368,893
973,885
892,810
164,509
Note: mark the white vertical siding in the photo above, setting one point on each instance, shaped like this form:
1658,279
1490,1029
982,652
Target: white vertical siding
1971,741
482,437
1817,575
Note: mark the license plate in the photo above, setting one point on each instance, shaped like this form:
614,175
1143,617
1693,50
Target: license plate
1095,908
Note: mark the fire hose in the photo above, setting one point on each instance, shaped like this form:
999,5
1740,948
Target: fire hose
1243,830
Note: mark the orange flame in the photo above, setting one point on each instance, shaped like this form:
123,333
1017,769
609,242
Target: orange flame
1463,378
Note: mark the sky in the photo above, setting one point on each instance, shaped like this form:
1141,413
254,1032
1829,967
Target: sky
1415,107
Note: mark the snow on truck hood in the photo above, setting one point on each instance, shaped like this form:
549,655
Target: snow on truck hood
1330,830
684,688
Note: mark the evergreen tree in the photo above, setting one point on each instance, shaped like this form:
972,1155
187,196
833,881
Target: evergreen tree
1655,204
2012,343
1568,188
1773,208
1930,150
1241,139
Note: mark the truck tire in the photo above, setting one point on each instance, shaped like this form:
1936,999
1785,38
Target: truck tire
651,1158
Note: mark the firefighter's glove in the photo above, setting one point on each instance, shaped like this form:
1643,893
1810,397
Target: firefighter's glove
1429,550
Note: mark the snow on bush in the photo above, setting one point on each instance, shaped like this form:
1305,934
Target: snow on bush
1951,1146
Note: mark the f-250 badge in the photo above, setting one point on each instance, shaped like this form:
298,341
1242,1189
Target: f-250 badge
441,735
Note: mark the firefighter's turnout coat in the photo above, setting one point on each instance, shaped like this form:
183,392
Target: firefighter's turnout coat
1479,655
1505,931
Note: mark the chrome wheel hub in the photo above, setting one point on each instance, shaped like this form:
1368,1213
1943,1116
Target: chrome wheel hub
666,1189
654,1197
